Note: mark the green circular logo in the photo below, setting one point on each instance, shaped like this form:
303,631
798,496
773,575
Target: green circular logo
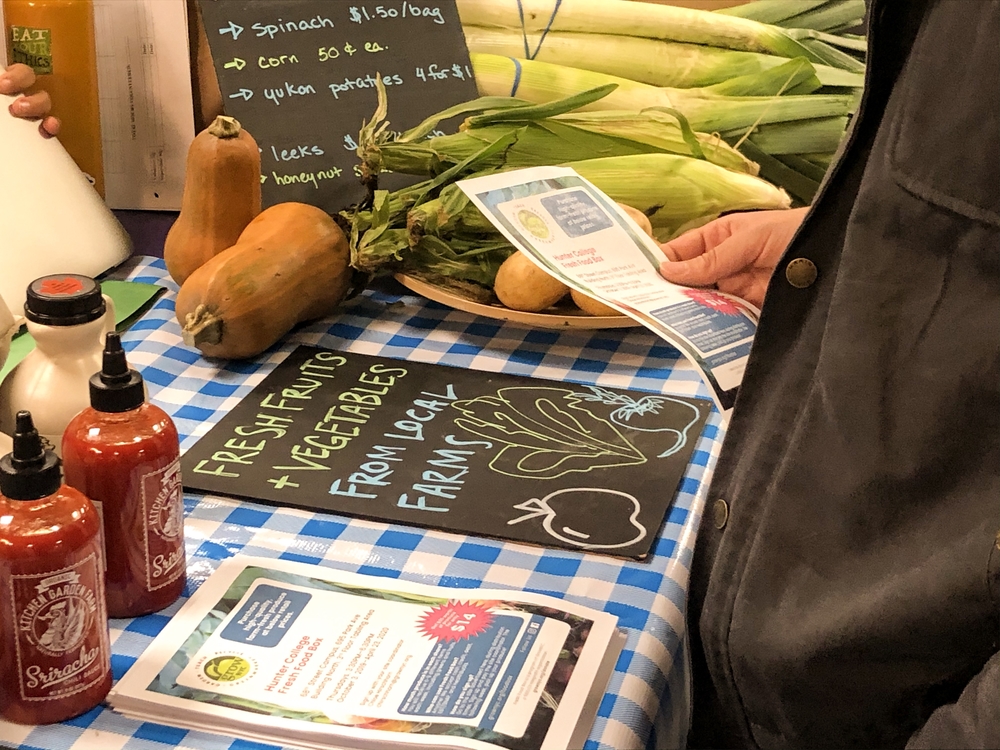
226,668
534,223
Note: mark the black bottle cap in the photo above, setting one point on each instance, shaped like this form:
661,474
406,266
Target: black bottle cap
116,388
65,299
30,471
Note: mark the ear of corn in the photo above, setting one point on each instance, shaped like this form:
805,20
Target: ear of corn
672,189
547,134
705,110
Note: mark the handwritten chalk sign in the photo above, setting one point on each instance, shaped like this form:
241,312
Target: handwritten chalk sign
556,464
300,75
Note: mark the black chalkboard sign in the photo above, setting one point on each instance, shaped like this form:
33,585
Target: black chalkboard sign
299,75
556,464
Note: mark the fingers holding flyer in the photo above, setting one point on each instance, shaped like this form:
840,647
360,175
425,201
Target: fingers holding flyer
583,238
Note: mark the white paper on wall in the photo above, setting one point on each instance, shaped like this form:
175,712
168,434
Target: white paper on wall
147,115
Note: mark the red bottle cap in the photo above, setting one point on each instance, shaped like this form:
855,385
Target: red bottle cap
66,299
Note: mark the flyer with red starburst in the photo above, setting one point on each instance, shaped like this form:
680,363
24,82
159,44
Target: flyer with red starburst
579,235
322,653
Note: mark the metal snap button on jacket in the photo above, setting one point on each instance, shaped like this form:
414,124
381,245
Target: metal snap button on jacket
801,273
720,513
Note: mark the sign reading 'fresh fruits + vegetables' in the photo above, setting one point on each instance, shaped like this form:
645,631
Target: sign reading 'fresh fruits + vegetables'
558,464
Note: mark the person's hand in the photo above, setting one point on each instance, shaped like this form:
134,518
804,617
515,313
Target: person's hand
19,77
736,254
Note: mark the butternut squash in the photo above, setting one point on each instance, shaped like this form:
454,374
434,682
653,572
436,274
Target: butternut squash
522,285
221,196
291,264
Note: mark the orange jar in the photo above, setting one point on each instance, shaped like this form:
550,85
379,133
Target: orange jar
56,39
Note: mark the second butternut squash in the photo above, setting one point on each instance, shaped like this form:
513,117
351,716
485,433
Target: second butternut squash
291,264
221,197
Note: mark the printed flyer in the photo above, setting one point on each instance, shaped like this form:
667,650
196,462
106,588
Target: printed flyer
305,655
578,234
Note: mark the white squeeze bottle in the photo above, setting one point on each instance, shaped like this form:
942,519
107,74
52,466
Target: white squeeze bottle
68,316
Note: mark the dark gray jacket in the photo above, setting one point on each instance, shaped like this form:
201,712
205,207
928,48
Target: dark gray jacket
845,583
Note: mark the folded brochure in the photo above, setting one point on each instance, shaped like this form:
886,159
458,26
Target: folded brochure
578,234
310,657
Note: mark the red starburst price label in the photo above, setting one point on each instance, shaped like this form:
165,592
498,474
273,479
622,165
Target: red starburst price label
456,621
61,286
714,300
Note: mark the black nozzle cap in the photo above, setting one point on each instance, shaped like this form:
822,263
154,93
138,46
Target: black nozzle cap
65,299
30,471
116,388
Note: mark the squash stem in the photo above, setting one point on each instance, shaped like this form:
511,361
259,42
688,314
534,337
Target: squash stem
202,327
225,127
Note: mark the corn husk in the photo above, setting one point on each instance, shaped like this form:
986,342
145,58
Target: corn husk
706,111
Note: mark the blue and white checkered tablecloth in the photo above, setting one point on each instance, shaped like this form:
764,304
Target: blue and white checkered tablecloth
646,703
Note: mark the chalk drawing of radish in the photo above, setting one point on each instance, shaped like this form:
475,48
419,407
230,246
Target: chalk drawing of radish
651,413
576,516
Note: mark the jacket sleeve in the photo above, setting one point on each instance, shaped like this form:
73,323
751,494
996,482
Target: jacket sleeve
973,721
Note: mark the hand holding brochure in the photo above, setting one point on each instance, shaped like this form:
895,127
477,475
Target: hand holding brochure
311,657
582,237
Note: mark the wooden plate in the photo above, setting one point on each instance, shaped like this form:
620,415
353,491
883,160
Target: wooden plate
558,318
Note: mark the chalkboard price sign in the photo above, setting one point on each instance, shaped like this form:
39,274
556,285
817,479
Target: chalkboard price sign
300,76
556,464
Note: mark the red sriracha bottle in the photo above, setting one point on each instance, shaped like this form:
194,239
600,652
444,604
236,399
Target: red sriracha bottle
54,648
124,454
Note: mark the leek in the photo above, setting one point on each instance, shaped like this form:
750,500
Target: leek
651,61
820,15
630,19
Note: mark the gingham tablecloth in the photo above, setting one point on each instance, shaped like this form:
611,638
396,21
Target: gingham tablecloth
646,704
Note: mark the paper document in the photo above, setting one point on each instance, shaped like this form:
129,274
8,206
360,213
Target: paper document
147,114
312,657
581,236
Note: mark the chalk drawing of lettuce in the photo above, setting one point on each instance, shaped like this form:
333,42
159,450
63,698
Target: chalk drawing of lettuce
545,433
651,413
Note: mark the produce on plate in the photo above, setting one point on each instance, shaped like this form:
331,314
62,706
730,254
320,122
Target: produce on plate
592,305
522,285
654,163
221,196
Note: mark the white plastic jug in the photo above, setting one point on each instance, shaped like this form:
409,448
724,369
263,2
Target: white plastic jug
68,317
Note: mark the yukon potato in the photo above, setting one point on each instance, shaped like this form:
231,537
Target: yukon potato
592,306
639,218
521,285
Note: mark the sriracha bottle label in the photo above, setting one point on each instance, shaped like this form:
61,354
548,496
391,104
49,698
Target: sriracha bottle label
163,508
62,640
